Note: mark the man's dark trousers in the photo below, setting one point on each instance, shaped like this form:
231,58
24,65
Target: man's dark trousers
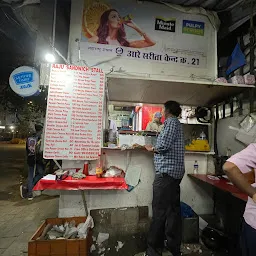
166,222
248,240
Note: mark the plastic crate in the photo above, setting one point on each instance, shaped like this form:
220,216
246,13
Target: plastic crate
63,247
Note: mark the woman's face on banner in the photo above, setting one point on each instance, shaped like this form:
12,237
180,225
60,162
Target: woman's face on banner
114,20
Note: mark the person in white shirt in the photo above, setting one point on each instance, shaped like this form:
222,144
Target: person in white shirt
240,169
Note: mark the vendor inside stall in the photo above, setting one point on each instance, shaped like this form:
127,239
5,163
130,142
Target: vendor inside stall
156,125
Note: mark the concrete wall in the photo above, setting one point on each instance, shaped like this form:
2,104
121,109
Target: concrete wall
226,137
199,199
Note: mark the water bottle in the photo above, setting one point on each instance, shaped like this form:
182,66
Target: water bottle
202,136
196,167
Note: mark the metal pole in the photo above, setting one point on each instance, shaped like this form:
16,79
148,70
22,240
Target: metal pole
252,57
54,23
215,130
84,203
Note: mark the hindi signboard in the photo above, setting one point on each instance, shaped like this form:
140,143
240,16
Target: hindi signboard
148,32
74,113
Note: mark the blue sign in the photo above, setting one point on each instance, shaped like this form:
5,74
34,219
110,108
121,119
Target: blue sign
23,77
25,81
193,27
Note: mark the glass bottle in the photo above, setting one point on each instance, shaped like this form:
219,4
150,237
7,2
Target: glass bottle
99,169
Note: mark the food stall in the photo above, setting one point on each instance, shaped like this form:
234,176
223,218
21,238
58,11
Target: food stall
75,132
103,75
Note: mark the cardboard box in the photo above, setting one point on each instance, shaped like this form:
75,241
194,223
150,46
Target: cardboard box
236,80
249,79
63,247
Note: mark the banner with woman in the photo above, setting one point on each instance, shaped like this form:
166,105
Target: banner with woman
145,31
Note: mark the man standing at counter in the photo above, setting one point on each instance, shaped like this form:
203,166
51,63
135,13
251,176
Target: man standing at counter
169,165
236,167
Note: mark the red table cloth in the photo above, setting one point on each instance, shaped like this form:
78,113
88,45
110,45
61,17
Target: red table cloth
221,184
88,183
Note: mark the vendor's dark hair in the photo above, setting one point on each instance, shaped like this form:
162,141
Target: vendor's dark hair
173,108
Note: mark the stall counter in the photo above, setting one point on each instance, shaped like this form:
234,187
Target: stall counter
71,203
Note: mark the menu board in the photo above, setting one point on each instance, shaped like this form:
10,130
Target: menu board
74,113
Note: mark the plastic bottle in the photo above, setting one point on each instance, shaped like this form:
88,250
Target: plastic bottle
127,18
86,168
196,167
202,136
99,169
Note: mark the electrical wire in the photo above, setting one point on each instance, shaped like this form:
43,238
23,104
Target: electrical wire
232,6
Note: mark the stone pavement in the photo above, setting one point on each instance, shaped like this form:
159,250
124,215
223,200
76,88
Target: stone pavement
19,220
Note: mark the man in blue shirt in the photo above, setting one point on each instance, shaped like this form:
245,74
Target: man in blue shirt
169,165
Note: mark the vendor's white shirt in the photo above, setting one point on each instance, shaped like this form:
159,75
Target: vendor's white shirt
246,162
154,127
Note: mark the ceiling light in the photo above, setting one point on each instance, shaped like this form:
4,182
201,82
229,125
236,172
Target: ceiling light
49,57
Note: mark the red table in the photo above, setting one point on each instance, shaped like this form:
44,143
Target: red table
221,184
88,183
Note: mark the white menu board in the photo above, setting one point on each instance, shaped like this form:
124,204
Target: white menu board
74,113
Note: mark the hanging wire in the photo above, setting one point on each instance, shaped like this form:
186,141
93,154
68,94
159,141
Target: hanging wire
232,6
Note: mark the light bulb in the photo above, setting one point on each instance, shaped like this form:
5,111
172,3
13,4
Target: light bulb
49,57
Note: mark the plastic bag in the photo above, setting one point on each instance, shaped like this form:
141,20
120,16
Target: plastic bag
248,123
83,228
113,171
70,232
59,229
186,210
102,237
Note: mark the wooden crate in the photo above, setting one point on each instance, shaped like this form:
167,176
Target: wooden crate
63,247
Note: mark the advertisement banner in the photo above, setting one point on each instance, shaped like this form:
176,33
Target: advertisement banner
148,32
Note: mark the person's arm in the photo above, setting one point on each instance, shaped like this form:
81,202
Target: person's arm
147,42
168,135
148,128
239,180
250,176
93,39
